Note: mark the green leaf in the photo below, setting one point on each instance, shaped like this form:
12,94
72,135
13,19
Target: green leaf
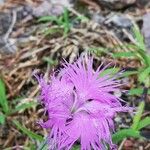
66,22
137,91
110,71
76,147
139,37
138,115
140,48
143,56
143,123
125,133
62,21
51,31
24,106
82,18
47,19
29,133
125,45
144,75
30,146
24,148
99,50
3,98
2,118
128,73
123,54
43,145
50,61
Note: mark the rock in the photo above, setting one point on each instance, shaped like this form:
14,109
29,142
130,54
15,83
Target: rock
23,12
98,18
58,6
5,21
44,9
50,7
7,46
120,20
146,30
142,3
116,4
2,2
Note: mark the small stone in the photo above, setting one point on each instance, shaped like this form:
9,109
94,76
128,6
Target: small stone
44,9
23,12
116,4
118,119
58,6
142,3
120,21
2,2
5,21
50,7
98,18
8,47
146,30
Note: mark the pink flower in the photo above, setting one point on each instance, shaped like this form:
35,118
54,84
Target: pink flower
80,106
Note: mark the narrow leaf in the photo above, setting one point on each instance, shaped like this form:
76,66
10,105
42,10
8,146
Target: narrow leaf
123,54
144,74
110,71
125,133
47,19
30,134
143,123
3,98
129,73
139,37
137,91
138,115
2,118
24,106
66,22
43,145
50,61
76,147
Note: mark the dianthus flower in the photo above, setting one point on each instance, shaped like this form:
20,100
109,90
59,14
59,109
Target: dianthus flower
81,106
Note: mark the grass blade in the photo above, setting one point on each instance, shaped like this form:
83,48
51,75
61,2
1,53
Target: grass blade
43,145
30,134
137,91
66,22
138,115
124,133
129,73
3,98
143,123
110,71
76,147
123,54
139,37
2,118
47,19
144,75
24,106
